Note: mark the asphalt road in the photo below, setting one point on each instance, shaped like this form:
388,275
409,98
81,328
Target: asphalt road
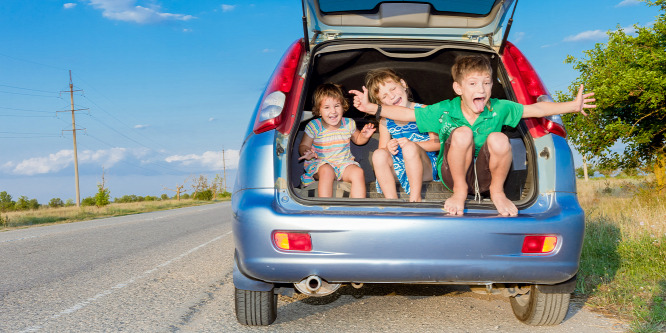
171,271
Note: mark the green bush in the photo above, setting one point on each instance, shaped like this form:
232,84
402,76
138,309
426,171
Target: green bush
88,201
56,202
204,195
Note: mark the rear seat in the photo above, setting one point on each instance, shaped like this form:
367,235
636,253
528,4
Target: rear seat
431,190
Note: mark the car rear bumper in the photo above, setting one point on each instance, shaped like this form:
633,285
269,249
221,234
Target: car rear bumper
429,247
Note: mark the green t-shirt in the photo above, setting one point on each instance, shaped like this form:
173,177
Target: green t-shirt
445,116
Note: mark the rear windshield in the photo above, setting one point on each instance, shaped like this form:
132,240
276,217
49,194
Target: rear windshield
466,7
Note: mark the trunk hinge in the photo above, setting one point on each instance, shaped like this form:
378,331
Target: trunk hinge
508,29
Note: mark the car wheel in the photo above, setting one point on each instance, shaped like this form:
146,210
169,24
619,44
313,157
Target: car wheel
537,309
256,308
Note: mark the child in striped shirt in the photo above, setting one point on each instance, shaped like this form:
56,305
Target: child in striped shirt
325,146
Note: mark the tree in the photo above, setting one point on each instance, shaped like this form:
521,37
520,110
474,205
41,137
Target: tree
6,202
217,186
628,76
56,202
199,185
178,190
23,203
103,194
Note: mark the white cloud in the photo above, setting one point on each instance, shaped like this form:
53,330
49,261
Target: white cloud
211,119
590,35
228,8
625,3
129,11
63,159
69,5
210,160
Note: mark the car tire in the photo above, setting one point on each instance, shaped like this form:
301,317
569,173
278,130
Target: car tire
539,309
256,308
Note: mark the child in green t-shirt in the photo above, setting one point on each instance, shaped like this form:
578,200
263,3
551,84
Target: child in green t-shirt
469,128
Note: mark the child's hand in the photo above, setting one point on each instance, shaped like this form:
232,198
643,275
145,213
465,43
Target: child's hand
582,100
361,100
310,154
368,130
392,146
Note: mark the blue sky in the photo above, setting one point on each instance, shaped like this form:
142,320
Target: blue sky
170,84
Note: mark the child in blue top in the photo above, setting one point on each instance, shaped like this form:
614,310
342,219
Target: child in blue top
403,152
469,128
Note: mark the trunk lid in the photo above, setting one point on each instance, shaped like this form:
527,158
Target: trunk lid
462,20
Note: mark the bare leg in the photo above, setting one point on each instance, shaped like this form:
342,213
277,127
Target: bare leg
459,157
499,164
382,163
412,154
354,175
326,176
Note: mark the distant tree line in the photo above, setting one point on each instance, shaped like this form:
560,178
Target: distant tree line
202,189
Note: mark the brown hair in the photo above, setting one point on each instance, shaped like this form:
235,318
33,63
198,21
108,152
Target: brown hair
331,90
466,65
376,78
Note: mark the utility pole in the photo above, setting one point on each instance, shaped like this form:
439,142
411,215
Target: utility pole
224,168
76,159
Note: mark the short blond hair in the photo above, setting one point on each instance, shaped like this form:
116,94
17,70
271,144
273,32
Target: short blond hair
331,90
470,64
376,77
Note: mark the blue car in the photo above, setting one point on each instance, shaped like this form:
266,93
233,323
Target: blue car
288,238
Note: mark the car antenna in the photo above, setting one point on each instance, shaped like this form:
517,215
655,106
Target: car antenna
305,29
508,28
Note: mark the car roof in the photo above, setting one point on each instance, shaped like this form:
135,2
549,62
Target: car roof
475,20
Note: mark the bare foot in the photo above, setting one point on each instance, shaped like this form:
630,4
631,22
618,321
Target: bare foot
455,205
505,207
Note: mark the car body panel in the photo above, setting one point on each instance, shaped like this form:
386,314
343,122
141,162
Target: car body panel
406,247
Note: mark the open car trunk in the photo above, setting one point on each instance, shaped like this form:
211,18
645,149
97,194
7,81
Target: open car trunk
426,67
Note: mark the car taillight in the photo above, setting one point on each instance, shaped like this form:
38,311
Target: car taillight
275,98
539,244
530,89
293,241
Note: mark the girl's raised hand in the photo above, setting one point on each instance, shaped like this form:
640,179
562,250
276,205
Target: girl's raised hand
368,130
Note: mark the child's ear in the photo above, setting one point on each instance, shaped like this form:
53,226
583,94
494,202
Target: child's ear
403,83
457,88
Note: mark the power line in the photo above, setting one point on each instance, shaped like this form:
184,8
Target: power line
16,93
26,110
37,90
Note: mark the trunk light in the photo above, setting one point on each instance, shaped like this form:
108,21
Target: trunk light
539,244
529,89
279,87
294,241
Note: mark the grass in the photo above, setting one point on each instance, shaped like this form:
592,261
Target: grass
20,219
623,262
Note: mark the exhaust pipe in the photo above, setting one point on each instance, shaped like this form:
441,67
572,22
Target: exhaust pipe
313,285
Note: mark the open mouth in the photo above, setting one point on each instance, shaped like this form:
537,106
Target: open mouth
397,102
479,103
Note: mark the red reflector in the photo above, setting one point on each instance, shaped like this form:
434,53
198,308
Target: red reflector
539,244
294,241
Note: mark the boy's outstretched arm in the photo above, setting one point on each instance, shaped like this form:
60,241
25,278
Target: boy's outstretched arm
543,109
399,113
